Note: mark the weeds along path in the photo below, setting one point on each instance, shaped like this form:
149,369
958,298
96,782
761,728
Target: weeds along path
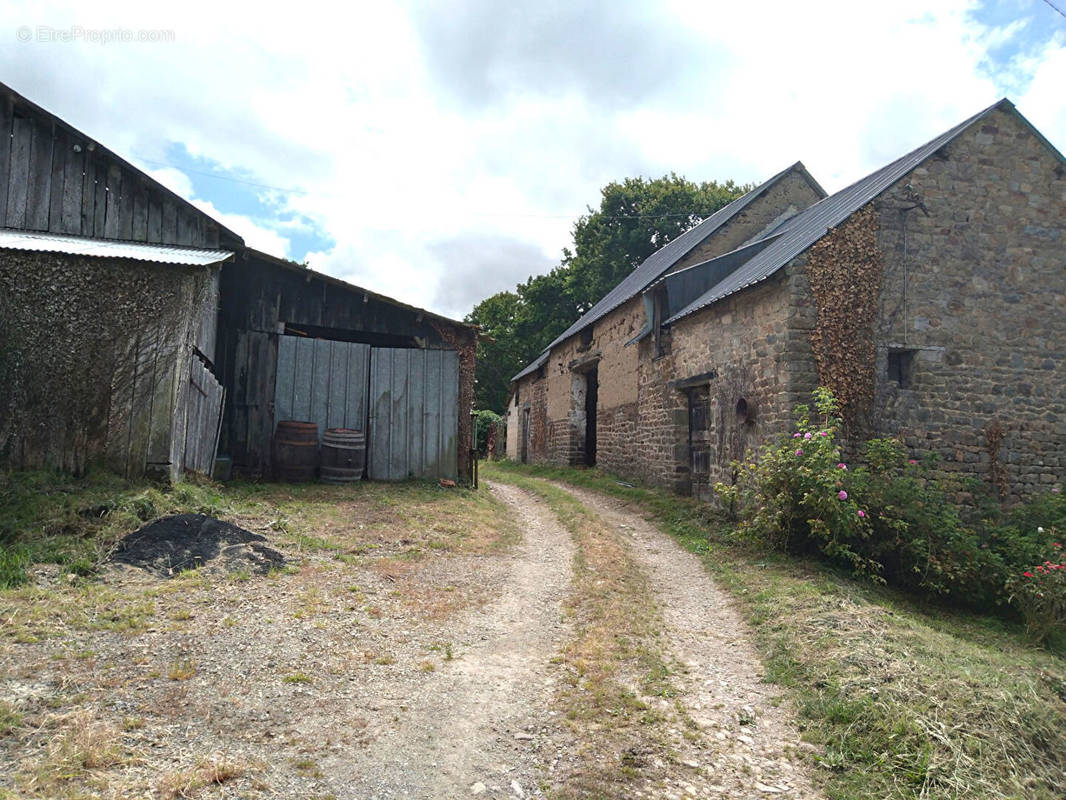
742,742
481,723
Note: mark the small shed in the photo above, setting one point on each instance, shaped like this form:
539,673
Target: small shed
295,344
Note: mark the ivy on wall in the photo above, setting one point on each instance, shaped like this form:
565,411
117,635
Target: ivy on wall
845,269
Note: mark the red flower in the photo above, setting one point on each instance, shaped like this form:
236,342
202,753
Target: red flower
1027,574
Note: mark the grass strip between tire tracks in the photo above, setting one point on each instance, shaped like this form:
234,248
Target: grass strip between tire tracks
902,699
615,661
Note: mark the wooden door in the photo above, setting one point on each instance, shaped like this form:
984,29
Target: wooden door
414,414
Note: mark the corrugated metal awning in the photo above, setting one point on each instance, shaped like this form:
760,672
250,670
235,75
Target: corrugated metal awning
107,248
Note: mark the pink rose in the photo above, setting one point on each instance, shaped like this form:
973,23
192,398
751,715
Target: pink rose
842,466
862,514
806,436
799,452
842,495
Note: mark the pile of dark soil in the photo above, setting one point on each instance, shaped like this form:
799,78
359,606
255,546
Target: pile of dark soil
189,541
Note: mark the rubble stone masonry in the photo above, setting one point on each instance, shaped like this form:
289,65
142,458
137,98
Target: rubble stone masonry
975,290
970,334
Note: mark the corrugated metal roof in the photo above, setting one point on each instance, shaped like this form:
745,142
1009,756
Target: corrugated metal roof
533,366
107,248
810,225
662,260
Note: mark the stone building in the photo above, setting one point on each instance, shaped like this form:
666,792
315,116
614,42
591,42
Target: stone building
930,296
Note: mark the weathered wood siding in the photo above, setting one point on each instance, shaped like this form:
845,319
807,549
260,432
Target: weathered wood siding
55,179
260,299
203,418
414,396
322,381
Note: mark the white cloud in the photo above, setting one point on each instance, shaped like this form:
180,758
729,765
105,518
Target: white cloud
414,146
262,235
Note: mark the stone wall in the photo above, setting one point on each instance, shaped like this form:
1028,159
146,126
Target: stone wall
786,198
93,354
647,442
972,304
975,289
745,342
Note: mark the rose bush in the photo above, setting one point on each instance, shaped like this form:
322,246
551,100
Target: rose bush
1039,594
894,518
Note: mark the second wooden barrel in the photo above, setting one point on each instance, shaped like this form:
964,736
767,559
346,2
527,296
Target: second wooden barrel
296,450
343,455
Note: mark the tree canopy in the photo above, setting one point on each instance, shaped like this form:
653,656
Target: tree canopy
636,217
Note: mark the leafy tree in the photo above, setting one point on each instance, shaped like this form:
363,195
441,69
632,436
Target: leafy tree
636,217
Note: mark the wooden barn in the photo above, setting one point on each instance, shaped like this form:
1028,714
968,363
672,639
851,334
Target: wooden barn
295,344
108,307
136,330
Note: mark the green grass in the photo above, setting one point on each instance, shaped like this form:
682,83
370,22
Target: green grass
902,699
616,660
51,518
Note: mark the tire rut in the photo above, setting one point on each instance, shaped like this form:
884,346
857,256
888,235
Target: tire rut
748,744
481,723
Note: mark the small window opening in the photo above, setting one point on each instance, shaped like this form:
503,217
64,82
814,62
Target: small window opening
586,338
745,412
901,367
516,397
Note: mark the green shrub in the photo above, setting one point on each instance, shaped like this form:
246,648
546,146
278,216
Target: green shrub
1039,593
895,519
918,536
485,420
795,495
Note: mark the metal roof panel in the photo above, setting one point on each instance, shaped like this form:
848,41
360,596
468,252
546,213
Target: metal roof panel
810,225
655,265
108,248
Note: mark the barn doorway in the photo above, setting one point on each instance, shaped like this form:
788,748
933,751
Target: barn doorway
592,386
525,436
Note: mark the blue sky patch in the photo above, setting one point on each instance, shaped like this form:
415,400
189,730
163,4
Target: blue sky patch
235,191
1036,24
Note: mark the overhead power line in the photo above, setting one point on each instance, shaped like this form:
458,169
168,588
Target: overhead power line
1055,8
511,215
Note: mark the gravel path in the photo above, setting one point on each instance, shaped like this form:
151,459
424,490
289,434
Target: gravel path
481,725
748,747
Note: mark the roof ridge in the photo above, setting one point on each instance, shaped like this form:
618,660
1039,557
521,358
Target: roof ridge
811,224
635,282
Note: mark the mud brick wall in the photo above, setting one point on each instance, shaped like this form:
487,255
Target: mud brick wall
977,290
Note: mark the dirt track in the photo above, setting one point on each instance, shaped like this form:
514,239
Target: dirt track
482,723
379,676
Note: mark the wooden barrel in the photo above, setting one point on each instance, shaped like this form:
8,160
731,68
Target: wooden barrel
343,455
296,451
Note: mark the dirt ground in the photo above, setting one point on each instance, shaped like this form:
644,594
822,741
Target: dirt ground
403,654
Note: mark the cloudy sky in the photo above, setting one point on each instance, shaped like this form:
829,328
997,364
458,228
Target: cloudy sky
440,151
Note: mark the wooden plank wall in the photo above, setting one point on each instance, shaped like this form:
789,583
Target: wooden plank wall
203,418
55,180
322,381
414,414
247,360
